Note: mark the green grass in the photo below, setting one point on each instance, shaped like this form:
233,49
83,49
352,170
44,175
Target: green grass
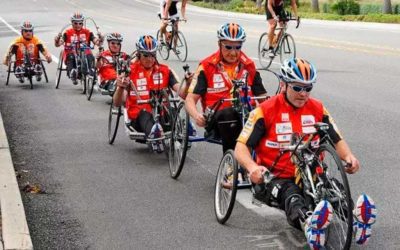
305,11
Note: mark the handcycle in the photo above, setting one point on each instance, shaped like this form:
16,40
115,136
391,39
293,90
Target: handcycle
322,177
80,50
184,133
27,64
174,40
121,65
163,114
283,43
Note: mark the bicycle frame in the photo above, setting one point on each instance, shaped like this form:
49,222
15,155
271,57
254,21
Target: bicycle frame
282,30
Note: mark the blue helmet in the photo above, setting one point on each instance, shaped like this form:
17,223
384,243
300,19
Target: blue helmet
231,32
298,70
147,43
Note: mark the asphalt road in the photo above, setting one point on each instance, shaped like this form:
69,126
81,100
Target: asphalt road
121,196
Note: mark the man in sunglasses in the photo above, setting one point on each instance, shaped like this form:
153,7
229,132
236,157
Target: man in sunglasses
146,75
108,60
213,81
271,126
30,43
74,37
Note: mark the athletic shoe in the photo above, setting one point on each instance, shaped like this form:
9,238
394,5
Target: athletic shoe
316,224
365,214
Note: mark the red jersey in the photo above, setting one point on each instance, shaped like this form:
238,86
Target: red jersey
72,37
108,71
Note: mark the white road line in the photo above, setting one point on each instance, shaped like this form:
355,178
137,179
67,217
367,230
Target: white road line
55,59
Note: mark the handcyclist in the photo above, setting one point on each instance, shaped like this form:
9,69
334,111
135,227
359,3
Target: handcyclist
213,81
146,75
274,10
108,59
169,10
27,41
74,37
269,127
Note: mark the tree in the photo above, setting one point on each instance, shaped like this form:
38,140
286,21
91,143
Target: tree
387,7
315,5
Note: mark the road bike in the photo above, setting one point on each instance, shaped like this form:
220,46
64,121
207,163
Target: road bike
174,40
283,43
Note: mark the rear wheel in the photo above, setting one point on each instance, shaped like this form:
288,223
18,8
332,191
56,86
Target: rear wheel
163,49
337,191
59,69
263,45
179,141
181,49
287,48
226,187
113,122
44,71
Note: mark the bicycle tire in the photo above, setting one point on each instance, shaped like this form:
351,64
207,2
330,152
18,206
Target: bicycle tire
179,141
263,58
113,127
83,84
180,47
163,48
287,48
30,81
44,71
342,206
90,82
8,73
224,202
59,69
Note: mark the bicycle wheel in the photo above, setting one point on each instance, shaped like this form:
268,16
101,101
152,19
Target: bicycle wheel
59,69
179,141
30,81
90,82
8,72
44,72
263,45
83,83
163,48
180,48
225,187
337,191
287,48
113,122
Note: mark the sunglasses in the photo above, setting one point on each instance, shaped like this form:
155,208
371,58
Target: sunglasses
75,23
299,89
231,47
115,43
148,55
27,31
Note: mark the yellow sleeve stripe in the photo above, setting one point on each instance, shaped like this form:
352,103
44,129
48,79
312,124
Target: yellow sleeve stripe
194,81
248,128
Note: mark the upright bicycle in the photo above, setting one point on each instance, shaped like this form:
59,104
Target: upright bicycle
283,43
174,40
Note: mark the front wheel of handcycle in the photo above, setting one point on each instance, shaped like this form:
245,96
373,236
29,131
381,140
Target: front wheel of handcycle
83,83
287,48
9,72
179,141
263,57
180,49
90,82
113,122
336,190
226,187
59,69
163,48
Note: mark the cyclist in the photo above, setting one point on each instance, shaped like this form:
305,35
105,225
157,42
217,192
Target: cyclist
72,37
146,75
27,41
269,126
107,60
274,9
213,81
169,9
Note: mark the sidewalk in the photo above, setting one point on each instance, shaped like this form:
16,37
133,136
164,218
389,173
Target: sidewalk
15,231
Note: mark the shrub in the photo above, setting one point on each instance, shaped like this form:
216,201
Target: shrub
346,7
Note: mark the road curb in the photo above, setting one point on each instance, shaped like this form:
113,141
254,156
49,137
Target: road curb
15,231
